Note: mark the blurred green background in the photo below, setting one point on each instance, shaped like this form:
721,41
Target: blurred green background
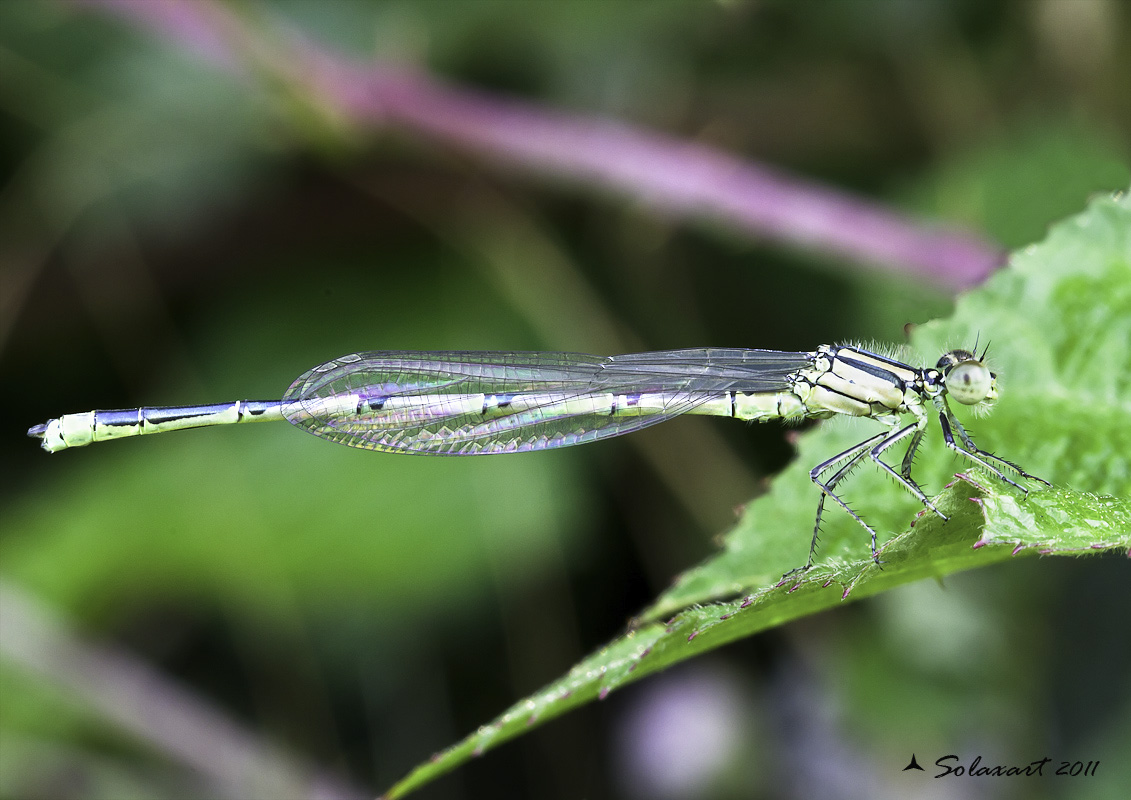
174,231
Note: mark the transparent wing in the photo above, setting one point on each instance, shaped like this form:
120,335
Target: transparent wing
466,403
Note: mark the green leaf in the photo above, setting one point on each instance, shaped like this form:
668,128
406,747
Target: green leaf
1060,322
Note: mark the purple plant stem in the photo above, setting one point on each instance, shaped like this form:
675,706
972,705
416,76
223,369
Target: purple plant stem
673,176
168,717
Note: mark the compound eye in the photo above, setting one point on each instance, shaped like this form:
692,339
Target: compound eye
969,382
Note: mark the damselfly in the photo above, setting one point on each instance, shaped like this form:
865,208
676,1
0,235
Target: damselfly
477,403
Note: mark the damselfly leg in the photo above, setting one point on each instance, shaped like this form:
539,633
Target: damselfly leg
976,454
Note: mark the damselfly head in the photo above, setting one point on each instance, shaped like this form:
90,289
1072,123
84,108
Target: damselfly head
967,379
